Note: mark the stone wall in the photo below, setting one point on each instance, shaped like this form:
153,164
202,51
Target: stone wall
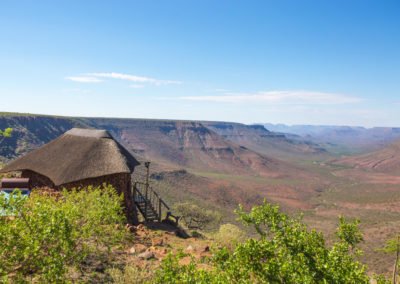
121,182
37,180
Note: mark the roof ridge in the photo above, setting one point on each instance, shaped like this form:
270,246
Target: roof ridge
86,132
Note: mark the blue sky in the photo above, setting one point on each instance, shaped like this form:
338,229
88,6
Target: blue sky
294,62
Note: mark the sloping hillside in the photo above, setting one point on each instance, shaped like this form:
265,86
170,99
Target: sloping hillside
386,160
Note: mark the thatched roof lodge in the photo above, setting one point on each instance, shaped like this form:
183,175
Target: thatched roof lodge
78,158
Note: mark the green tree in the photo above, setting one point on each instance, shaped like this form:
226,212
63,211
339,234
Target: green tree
348,232
6,132
48,235
285,252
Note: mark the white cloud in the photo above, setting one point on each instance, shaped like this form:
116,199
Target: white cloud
136,86
133,78
278,97
84,79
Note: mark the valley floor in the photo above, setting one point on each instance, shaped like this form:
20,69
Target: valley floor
329,192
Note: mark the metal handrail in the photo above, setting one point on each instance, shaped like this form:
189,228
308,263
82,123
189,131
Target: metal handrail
152,199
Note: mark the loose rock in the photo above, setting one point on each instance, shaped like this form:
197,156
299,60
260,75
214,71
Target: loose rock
146,255
139,248
189,249
132,250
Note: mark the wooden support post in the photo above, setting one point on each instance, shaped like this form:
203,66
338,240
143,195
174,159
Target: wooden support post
147,165
132,188
396,263
159,209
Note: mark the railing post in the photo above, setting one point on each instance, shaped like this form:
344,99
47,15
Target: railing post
159,209
147,165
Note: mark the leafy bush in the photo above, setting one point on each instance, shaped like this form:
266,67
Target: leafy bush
172,272
130,275
229,236
48,235
196,217
348,232
286,252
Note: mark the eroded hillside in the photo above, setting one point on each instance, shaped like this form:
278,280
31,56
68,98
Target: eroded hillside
386,160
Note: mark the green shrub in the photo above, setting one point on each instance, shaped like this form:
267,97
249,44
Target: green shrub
286,252
130,275
229,236
196,217
49,235
172,272
348,232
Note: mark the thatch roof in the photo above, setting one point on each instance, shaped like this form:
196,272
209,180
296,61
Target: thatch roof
76,155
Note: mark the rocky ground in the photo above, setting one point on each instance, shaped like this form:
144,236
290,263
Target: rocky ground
150,244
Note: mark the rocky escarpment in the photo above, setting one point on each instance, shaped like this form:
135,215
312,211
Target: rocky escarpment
259,139
31,132
189,144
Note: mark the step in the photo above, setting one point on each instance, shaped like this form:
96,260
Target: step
149,212
151,219
147,209
142,203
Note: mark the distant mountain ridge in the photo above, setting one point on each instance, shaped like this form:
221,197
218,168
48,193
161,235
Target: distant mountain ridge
349,139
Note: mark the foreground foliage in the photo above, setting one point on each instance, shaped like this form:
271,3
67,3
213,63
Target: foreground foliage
49,235
285,252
